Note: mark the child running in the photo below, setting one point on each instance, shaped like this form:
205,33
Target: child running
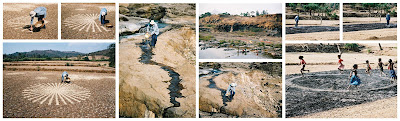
354,79
368,71
393,75
303,63
341,66
380,67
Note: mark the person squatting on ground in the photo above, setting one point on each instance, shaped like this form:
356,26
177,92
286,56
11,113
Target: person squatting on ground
380,67
230,92
152,28
354,79
368,69
40,13
393,75
341,66
297,20
102,16
387,19
303,63
65,75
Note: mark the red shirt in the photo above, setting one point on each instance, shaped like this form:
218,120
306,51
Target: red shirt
302,62
340,61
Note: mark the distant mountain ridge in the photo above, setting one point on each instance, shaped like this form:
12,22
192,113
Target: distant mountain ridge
55,53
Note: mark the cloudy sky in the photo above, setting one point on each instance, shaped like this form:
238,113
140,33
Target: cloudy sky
235,8
10,48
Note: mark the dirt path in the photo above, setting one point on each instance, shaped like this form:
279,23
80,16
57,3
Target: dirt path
16,17
385,108
81,21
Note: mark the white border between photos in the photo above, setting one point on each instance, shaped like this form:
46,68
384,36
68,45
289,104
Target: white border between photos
198,2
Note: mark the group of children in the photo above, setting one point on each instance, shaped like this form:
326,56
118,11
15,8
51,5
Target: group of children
354,79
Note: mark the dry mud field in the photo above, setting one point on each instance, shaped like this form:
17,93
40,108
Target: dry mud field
39,94
369,29
161,82
312,30
81,21
16,17
258,95
322,93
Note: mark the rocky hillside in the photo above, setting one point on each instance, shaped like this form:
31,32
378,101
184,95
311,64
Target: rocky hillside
230,23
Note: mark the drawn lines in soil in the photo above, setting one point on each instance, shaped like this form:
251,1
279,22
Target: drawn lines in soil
86,22
18,23
56,93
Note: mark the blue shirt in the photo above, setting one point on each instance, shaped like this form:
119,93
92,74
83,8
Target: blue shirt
388,17
230,88
153,29
296,18
64,74
101,11
40,11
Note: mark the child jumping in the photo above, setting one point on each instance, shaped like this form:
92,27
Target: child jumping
341,66
368,71
393,75
354,79
303,63
380,67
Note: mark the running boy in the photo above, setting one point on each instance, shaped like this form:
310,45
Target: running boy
393,75
380,67
354,79
303,63
368,71
341,66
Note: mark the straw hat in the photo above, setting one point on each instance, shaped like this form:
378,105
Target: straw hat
152,22
32,13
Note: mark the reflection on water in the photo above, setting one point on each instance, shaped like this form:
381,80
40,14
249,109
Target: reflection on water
220,53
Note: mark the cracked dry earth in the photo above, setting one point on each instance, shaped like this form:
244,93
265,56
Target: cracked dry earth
16,17
81,21
39,94
322,91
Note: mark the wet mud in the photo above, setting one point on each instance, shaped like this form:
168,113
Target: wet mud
371,26
321,91
310,29
175,86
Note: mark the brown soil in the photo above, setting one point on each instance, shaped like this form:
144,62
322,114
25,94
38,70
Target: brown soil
80,10
16,16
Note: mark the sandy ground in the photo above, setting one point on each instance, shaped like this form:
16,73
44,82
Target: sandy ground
81,21
359,20
385,108
16,16
100,103
378,34
320,62
329,35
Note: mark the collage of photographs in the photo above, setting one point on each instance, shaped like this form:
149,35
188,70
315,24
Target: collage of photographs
180,59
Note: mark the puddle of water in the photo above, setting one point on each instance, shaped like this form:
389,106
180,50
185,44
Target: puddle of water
220,53
143,30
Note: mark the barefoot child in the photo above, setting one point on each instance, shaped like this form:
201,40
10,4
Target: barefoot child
303,63
341,66
368,71
354,79
380,67
393,75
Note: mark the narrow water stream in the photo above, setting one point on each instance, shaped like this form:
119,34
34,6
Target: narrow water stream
175,86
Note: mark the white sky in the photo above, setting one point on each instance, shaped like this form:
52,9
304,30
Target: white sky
216,8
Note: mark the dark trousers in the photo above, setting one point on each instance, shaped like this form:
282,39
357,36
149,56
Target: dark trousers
103,20
40,18
387,23
153,40
297,22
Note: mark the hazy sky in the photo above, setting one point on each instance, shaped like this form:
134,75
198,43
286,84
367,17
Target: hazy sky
10,48
236,8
